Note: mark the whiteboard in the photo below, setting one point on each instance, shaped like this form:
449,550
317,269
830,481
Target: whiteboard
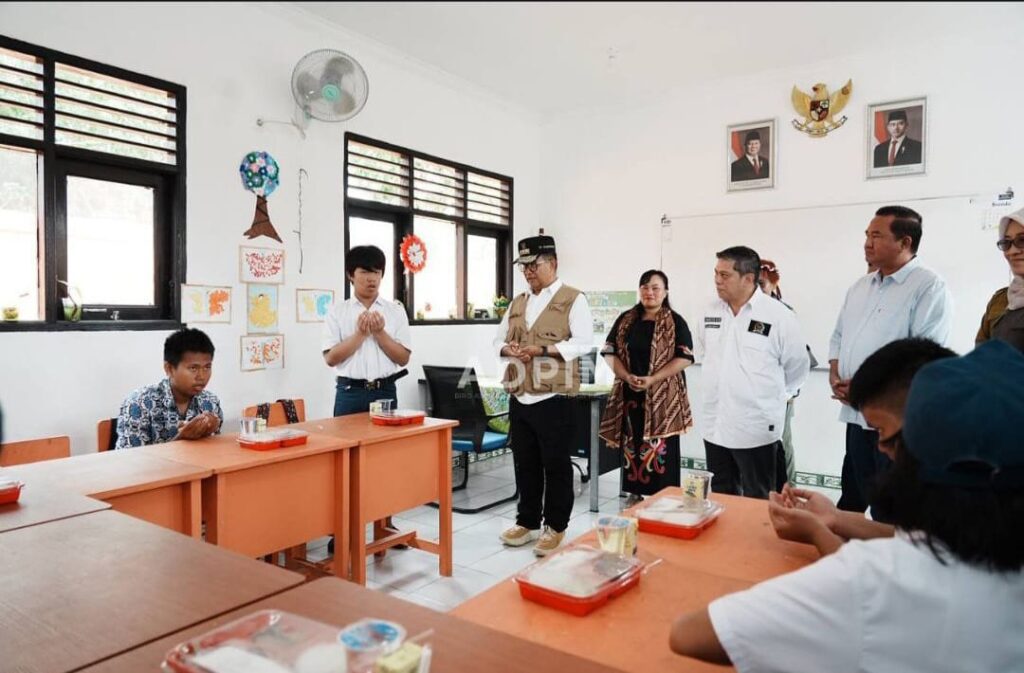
819,253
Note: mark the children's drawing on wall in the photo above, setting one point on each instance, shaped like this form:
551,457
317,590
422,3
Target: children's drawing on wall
205,303
313,305
262,313
261,265
262,352
260,175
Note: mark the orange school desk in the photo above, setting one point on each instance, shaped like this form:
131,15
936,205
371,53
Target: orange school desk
162,492
79,590
259,502
40,505
395,468
457,645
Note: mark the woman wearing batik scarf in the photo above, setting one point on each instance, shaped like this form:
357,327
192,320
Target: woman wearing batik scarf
648,348
1004,315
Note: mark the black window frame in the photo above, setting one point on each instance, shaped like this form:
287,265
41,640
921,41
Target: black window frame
59,161
403,217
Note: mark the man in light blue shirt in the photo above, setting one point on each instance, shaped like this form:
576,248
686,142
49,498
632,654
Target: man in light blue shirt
903,298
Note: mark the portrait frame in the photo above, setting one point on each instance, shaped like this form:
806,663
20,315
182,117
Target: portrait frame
739,173
914,147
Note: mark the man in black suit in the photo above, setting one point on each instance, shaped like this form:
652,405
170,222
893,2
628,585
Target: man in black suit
751,166
900,149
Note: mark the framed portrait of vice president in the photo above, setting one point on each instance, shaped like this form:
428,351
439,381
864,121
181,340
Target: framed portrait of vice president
750,155
897,138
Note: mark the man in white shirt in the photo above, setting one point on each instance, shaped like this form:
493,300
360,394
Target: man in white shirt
901,299
947,593
541,337
366,337
754,358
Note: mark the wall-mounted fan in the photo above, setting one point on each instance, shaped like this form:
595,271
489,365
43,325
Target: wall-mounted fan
328,85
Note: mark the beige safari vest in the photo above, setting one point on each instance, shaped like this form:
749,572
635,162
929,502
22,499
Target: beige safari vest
542,375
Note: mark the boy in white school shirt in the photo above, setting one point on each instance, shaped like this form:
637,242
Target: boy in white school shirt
947,593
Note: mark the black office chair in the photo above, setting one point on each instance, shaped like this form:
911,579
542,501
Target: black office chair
455,394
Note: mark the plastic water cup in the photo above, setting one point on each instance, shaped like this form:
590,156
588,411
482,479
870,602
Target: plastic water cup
696,487
249,426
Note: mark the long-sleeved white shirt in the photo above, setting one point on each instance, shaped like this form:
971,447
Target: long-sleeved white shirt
751,364
581,329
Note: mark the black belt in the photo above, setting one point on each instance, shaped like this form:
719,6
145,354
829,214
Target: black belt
374,384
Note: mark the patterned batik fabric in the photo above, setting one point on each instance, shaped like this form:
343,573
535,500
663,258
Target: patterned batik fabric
150,416
647,465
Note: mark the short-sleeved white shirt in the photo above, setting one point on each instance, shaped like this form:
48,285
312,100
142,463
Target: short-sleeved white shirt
369,361
875,606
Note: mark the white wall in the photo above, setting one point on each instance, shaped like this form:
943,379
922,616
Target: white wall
609,176
236,61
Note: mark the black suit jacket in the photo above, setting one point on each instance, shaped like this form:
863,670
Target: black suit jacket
742,169
908,153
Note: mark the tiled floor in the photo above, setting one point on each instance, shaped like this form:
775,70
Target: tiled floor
481,561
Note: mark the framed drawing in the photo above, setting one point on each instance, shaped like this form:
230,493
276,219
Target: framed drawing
263,351
897,138
205,303
261,313
751,156
261,265
313,305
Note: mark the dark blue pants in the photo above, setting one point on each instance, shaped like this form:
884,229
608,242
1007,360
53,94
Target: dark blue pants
861,466
351,400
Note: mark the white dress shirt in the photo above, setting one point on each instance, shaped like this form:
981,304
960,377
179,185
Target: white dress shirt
581,329
876,606
913,302
752,363
369,361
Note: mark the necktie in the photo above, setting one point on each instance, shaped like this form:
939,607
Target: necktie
757,166
892,152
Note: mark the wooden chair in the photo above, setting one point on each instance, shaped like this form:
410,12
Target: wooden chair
34,450
277,415
106,434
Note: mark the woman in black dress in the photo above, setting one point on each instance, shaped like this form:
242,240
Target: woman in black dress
648,348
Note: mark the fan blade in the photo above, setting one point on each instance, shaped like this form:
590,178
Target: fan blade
335,69
306,88
345,104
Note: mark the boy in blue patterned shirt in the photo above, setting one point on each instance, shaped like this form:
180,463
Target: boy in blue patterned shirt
179,407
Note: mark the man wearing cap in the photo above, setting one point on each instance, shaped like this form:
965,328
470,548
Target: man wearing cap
751,166
902,299
900,149
945,594
540,338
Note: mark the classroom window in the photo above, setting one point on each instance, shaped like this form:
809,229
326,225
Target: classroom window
92,193
462,214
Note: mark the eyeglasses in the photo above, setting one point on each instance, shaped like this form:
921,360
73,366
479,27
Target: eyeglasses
1017,242
532,266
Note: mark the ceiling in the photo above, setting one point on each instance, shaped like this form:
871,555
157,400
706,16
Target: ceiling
555,57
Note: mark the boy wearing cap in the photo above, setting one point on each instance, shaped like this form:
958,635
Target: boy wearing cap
540,339
947,592
900,149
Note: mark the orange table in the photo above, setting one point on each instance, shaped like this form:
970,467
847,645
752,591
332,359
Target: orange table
259,502
80,590
457,645
153,489
40,505
395,468
739,550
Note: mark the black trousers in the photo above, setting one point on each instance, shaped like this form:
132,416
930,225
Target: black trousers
749,472
541,438
861,465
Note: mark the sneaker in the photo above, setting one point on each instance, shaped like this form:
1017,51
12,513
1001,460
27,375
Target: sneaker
549,541
517,536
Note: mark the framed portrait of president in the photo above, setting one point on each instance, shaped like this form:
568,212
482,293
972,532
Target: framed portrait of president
750,156
897,138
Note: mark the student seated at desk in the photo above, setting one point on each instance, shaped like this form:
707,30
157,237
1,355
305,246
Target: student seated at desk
947,592
179,407
879,391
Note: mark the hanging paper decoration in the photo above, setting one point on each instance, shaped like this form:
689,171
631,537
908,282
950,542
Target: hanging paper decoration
414,253
260,174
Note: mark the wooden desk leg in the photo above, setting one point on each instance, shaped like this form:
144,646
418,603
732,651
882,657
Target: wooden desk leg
444,511
193,514
213,493
357,527
341,514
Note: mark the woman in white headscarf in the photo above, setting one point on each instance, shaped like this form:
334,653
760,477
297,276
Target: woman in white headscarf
1004,315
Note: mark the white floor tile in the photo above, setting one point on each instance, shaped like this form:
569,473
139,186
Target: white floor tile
404,569
462,585
468,548
491,527
507,562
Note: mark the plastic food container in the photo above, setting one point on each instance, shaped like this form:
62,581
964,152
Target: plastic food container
10,491
273,439
671,516
369,639
268,640
399,417
578,579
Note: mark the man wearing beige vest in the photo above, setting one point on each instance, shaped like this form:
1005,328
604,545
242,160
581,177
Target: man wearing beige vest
541,338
